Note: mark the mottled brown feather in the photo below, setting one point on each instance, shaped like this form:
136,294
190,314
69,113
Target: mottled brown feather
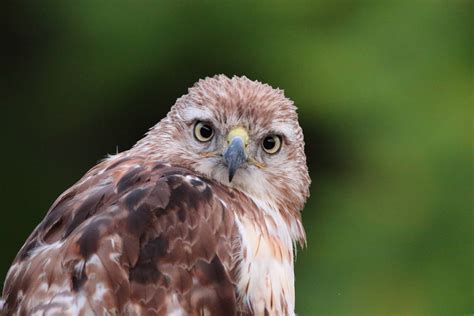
172,236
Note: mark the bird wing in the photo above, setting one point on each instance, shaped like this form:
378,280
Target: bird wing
131,238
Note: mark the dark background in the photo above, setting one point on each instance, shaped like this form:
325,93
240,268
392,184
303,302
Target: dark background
384,90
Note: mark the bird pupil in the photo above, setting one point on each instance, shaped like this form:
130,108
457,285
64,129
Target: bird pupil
269,143
206,131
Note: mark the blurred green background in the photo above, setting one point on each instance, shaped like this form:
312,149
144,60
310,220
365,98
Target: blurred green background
385,95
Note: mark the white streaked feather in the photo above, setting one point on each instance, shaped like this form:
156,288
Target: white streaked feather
265,277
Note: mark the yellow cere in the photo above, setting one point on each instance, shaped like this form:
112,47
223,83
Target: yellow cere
240,132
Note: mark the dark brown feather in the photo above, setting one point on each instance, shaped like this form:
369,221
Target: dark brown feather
172,238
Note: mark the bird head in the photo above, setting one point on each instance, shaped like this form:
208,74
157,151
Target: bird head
239,132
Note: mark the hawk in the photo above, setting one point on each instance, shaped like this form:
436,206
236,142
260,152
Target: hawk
200,217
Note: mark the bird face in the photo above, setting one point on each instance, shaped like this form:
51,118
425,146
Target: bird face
231,148
235,146
241,133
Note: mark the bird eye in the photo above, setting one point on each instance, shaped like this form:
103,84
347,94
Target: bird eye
271,144
203,131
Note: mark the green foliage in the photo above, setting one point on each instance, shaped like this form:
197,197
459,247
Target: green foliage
385,97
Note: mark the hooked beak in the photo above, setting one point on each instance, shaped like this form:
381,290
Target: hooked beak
235,154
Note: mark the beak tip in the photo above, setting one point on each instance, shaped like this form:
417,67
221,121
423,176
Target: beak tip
234,156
